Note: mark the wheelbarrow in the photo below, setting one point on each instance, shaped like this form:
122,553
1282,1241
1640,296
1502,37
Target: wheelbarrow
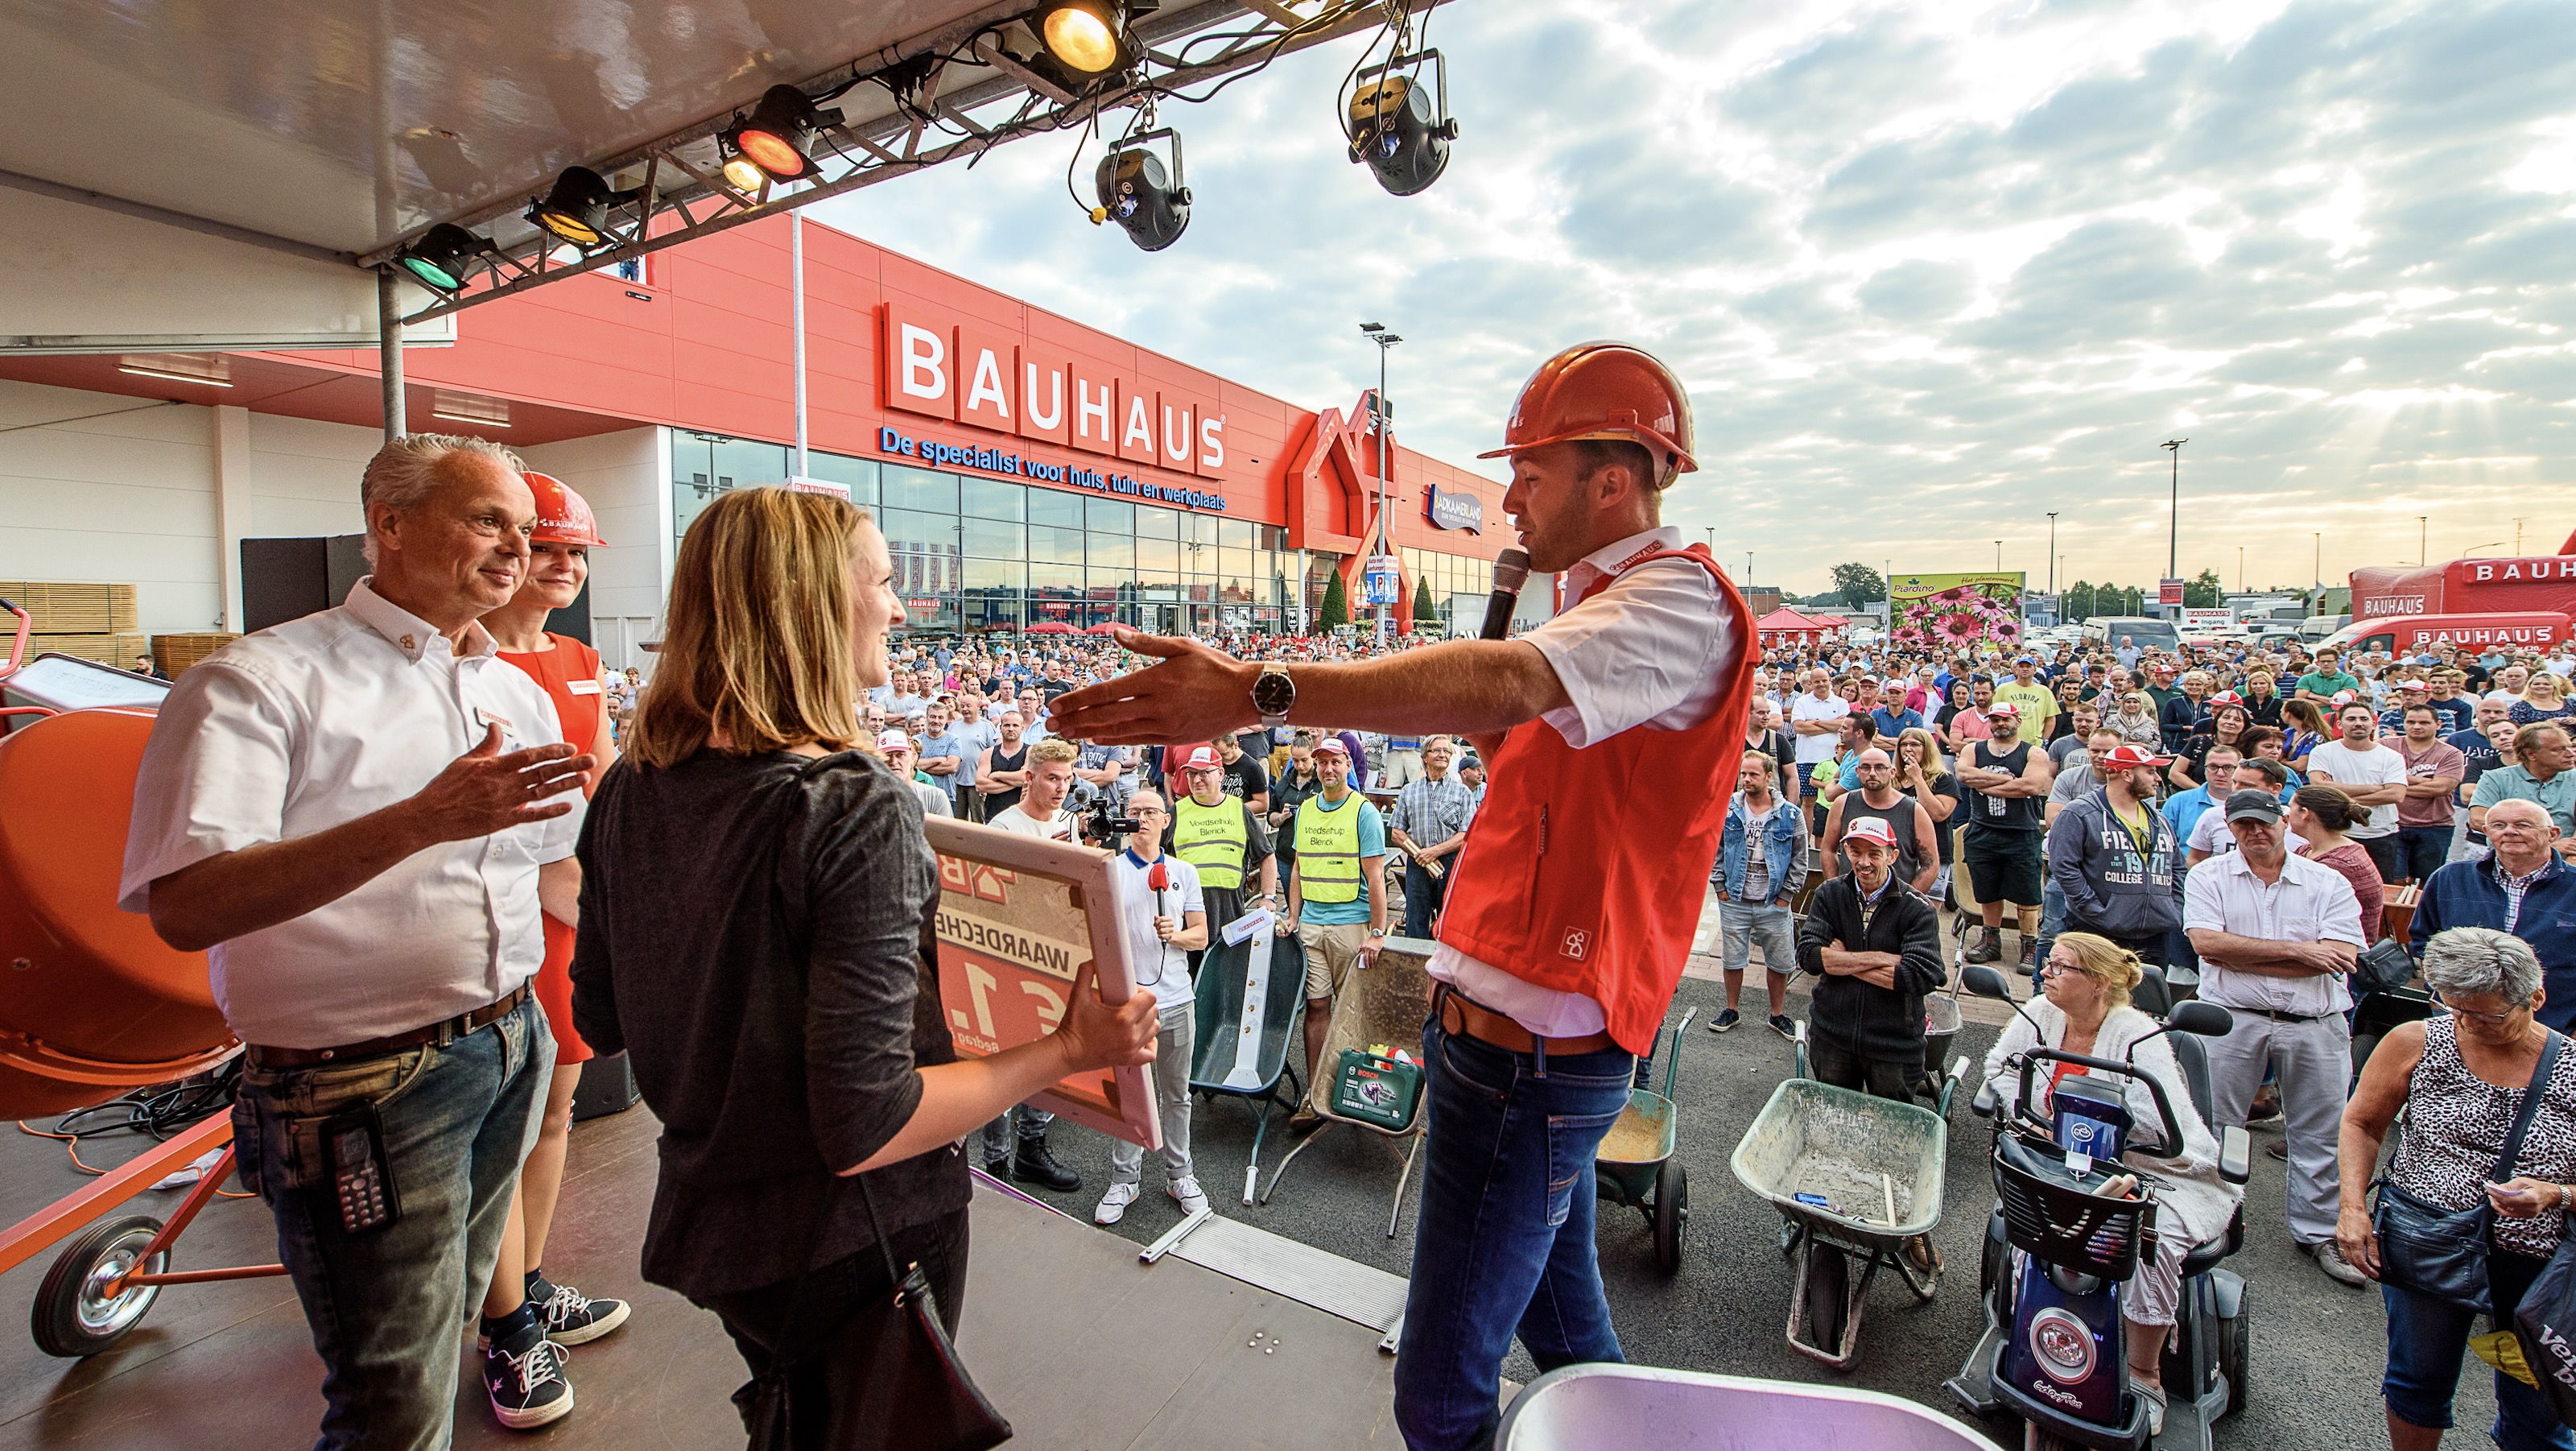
1856,1177
1634,1166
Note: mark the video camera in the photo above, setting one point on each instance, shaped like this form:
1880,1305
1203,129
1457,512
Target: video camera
1105,826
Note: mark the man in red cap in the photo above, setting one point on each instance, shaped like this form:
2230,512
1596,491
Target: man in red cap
1875,944
2117,859
1224,839
1572,905
2007,781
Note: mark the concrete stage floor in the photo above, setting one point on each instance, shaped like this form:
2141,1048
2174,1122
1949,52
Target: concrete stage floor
229,1365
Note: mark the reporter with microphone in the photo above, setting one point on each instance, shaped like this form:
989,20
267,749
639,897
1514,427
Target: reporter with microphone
1164,915
1571,908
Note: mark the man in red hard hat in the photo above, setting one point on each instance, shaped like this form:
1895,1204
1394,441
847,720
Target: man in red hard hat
1572,904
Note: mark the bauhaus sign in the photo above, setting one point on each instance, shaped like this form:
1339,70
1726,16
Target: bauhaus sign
941,367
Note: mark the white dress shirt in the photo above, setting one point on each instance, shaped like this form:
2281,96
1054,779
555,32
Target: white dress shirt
1651,648
2308,902
315,723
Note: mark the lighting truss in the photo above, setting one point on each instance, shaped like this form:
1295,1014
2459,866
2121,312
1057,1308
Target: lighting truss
952,94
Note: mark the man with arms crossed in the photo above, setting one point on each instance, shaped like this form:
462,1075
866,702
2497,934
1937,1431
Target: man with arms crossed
360,814
1572,906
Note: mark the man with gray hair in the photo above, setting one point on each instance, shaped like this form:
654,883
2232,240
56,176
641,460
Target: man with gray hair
2276,934
1430,824
359,815
2523,887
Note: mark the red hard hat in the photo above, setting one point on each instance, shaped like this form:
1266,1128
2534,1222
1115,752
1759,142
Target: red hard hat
1604,390
563,517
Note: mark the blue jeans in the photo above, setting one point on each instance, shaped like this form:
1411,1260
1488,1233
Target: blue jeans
1504,1239
2426,1341
2422,850
2052,921
387,1306
1423,894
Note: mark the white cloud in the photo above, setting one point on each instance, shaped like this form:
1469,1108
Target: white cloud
1929,270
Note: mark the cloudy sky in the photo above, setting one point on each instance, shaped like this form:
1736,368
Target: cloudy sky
1929,271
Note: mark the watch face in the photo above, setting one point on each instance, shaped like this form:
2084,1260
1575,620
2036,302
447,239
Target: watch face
1273,692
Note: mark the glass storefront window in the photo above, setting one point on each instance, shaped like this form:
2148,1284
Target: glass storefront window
859,475
993,538
1110,516
1054,546
1154,523
741,463
996,574
1111,551
1235,533
1198,528
991,499
1233,563
908,528
1158,557
905,487
1049,506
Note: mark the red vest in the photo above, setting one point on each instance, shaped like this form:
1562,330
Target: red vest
1585,870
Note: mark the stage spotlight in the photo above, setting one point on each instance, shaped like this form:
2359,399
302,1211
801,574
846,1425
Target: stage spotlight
577,209
741,174
1399,129
1154,206
439,259
780,133
1088,35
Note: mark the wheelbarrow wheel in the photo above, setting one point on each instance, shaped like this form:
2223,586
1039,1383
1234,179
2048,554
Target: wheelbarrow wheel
1672,1215
73,1317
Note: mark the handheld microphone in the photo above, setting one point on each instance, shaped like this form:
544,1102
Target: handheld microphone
1511,571
1158,879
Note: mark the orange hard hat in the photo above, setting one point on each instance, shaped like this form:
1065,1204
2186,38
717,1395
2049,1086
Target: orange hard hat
563,517
1604,390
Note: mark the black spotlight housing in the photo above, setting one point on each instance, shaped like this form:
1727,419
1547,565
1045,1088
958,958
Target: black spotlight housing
779,135
442,258
1153,205
1402,133
576,210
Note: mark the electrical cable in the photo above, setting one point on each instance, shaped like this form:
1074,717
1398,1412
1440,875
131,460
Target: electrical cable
161,1111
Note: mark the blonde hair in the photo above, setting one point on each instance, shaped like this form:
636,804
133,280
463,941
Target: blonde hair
759,633
1051,750
2115,967
1931,748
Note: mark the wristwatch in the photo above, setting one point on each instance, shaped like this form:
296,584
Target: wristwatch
1272,694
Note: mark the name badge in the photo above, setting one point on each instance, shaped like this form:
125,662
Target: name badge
581,687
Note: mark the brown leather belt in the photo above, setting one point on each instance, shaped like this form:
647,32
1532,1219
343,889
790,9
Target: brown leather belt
1461,1016
449,1028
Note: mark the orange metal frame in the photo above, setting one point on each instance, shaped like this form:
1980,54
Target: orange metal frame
39,1231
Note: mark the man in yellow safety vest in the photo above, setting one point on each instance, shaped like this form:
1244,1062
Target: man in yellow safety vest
1222,836
1341,849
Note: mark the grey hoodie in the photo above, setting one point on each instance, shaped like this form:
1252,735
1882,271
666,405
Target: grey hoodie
2110,888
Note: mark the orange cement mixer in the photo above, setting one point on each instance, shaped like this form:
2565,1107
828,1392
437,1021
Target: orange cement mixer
92,1003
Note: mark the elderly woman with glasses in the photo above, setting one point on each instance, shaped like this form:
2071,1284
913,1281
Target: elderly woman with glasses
2084,1008
2461,1078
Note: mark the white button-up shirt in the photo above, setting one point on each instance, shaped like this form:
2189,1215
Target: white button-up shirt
1651,648
2309,902
317,722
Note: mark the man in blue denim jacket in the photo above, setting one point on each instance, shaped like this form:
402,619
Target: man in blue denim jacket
1761,863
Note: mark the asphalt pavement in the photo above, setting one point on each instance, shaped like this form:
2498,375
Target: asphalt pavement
2318,1347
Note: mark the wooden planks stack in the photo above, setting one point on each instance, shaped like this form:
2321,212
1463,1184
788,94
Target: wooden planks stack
174,653
93,621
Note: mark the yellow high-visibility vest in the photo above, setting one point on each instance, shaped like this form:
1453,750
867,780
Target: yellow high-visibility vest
1212,839
1328,849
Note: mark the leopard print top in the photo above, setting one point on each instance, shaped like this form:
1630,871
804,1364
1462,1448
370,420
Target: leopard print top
2456,1124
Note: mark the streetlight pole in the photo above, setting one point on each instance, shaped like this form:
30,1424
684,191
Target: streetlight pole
1385,340
2240,569
2423,550
2317,584
1999,556
2173,528
2052,553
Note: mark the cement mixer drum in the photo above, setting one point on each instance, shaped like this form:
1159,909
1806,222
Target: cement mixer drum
92,1003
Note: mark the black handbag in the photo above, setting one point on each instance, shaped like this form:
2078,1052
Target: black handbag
2381,967
885,1378
2442,1253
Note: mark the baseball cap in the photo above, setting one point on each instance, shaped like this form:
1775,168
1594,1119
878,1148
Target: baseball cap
2413,684
2004,707
1871,829
2343,698
2025,660
1332,746
2253,806
893,740
2129,756
1201,758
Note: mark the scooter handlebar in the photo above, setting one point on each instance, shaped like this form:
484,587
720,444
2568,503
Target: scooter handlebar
2033,1057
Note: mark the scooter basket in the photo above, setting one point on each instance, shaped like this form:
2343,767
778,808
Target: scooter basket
2049,1215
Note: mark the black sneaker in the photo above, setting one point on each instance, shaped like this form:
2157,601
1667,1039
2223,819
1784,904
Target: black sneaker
1987,945
1034,1165
571,1317
1781,1025
1725,1019
523,1377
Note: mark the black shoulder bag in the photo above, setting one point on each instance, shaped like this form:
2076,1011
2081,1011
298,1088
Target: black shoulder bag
2442,1253
885,1379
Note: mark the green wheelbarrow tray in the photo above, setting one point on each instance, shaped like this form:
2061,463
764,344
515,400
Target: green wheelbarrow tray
1856,1153
1634,1165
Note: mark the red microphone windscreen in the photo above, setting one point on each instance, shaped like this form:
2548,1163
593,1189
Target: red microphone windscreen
1157,878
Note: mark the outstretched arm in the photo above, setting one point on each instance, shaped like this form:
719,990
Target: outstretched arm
1478,687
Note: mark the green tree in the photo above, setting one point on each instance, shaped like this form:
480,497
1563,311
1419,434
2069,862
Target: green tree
2202,592
1426,613
2076,605
1337,605
1858,584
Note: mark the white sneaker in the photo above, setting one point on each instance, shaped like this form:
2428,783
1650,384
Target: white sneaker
1192,1197
1113,1205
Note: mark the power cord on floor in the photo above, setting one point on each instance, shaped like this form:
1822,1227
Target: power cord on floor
161,1111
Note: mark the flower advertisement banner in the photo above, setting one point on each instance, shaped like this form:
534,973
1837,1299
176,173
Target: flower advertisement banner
1954,611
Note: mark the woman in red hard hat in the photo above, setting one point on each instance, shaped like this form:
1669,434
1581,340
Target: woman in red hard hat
1611,733
558,563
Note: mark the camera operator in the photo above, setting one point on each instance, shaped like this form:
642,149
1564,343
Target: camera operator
1161,912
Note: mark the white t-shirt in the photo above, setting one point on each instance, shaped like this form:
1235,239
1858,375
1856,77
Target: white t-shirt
1158,967
1831,709
1058,827
2377,766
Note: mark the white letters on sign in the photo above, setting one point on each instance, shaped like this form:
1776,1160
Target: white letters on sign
1005,378
924,368
986,389
1049,413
